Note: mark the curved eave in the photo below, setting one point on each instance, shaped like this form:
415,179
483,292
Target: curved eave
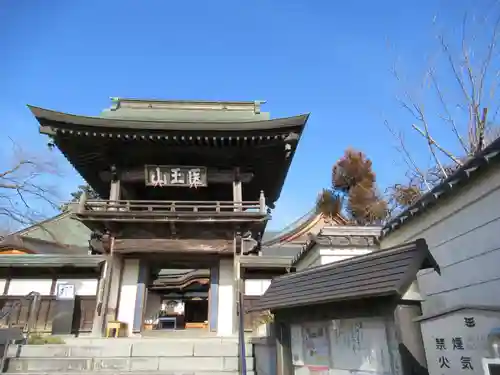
49,119
302,229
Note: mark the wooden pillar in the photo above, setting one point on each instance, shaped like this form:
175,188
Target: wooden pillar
82,201
237,199
236,285
237,190
140,302
214,298
411,343
98,323
262,203
109,270
284,361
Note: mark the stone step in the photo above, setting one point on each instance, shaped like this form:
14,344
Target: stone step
101,340
195,372
124,349
184,365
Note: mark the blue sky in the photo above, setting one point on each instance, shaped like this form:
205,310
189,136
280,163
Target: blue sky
330,58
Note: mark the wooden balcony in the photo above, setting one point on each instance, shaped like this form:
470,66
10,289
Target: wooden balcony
171,211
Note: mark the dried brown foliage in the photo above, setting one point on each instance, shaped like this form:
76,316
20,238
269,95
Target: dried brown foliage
405,195
353,191
328,204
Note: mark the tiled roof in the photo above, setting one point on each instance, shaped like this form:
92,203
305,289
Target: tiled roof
38,246
387,272
52,260
327,235
472,168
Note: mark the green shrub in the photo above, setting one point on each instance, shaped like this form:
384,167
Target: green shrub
264,318
37,339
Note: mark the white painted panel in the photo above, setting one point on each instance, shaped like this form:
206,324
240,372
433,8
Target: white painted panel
332,255
265,285
128,292
448,355
226,309
2,285
83,287
327,259
343,252
347,346
256,287
320,255
253,287
21,287
360,345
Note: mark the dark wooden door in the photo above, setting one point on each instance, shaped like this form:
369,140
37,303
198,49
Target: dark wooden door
83,317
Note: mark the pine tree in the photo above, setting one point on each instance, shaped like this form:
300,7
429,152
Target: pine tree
91,193
75,196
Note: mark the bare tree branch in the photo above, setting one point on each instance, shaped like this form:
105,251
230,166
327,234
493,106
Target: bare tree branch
26,194
472,67
448,117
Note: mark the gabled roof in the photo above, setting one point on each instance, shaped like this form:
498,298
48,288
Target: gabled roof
311,221
384,273
289,242
49,119
53,219
52,260
474,167
61,229
264,147
38,246
328,235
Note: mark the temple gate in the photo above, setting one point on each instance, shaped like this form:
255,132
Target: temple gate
183,185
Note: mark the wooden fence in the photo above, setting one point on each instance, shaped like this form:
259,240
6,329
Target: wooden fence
16,313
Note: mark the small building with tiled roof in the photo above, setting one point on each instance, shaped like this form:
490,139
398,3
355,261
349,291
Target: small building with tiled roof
335,316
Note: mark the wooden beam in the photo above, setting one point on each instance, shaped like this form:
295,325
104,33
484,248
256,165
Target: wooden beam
213,176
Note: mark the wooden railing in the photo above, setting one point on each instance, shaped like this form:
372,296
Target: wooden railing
172,207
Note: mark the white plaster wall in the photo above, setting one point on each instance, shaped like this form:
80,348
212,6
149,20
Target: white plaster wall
324,255
128,292
462,233
227,308
83,287
256,287
329,255
2,285
22,287
474,339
